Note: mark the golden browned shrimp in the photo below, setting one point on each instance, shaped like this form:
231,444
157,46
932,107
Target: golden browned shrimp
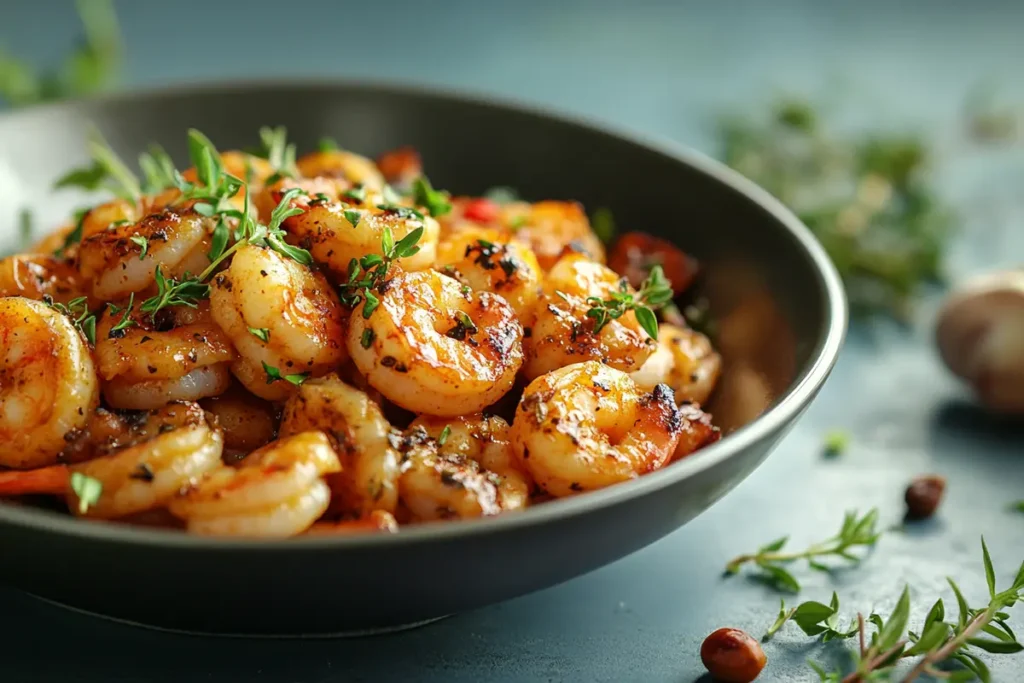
247,421
435,486
277,491
173,241
360,435
432,348
337,163
280,315
489,261
684,360
588,426
35,276
48,385
181,355
485,439
337,228
172,448
561,332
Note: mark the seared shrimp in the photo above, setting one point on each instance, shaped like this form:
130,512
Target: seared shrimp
562,333
435,486
174,242
488,261
277,491
248,422
337,163
359,433
181,446
432,348
35,276
588,426
485,439
337,228
48,385
684,360
279,314
182,355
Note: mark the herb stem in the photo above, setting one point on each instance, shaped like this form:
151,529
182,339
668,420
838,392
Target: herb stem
953,644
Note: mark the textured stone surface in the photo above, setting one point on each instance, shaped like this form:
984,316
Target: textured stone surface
664,68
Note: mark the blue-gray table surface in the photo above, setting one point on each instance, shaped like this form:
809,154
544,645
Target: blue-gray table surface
665,68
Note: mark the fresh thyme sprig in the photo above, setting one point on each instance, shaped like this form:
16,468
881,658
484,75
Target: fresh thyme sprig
938,640
125,322
655,292
275,148
274,375
437,202
856,532
107,172
77,310
366,275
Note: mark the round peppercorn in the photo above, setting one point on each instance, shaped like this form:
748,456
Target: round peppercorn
924,495
732,656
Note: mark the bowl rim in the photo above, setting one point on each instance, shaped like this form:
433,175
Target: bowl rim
785,408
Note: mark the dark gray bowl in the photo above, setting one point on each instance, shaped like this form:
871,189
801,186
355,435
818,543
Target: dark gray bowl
777,300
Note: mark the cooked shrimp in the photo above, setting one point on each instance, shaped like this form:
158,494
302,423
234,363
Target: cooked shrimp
433,348
181,446
488,261
35,276
360,435
48,385
435,486
247,421
485,439
561,333
400,166
181,355
277,491
111,260
684,360
278,313
337,228
377,521
697,431
550,229
588,426
337,163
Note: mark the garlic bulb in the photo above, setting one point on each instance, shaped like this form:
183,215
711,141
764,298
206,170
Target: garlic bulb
980,336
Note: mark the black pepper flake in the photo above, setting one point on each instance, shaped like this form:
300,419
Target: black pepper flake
509,266
388,361
151,369
449,479
575,486
166,428
527,332
142,471
193,356
145,339
602,385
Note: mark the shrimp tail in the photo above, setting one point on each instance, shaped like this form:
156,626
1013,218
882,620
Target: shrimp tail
53,480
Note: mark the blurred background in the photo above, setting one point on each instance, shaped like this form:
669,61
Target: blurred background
891,128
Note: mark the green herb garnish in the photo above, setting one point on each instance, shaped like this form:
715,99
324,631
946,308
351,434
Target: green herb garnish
327,144
107,171
502,195
77,310
437,202
655,292
87,489
274,147
261,333
836,442
445,433
143,243
171,292
366,341
353,216
368,273
125,321
603,225
856,531
274,375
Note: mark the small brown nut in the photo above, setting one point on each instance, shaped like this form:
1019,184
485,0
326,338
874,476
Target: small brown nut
924,495
732,656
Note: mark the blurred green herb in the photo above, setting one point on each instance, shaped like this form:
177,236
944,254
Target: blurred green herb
92,65
836,442
603,224
88,490
988,120
1018,506
866,198
856,531
77,311
939,639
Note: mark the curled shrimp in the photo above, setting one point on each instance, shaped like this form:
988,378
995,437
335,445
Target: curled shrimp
247,421
145,362
684,360
35,276
48,385
489,261
432,348
360,435
275,492
562,332
337,163
588,426
150,457
337,226
485,440
279,314
174,241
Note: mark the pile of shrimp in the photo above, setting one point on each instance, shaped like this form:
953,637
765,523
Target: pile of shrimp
281,393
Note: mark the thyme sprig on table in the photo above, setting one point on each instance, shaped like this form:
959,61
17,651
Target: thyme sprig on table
939,639
856,532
